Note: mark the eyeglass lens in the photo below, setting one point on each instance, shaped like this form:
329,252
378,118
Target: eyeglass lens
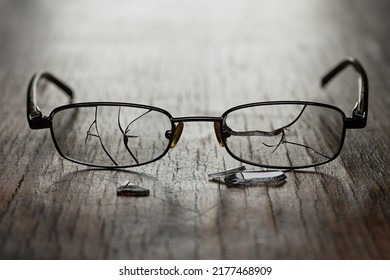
285,135
111,135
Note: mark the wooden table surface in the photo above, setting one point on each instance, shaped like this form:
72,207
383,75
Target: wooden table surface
193,58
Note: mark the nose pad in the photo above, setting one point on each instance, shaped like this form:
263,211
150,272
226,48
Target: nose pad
176,136
218,133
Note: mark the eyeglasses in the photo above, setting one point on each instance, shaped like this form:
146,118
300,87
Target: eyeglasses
277,134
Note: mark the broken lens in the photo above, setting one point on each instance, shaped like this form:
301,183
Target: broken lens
111,135
284,135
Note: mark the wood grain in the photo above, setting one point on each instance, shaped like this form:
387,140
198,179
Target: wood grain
193,58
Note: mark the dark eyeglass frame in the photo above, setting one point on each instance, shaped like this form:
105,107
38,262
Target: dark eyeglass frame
37,120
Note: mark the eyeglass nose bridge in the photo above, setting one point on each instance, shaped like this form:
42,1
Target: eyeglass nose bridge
178,129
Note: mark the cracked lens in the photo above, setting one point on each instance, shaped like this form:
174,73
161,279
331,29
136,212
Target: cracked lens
111,136
284,141
303,143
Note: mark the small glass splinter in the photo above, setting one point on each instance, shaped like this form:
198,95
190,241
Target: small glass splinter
225,173
255,177
130,189
238,176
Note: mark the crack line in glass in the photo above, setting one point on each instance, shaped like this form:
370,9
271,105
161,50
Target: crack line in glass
95,123
275,132
127,130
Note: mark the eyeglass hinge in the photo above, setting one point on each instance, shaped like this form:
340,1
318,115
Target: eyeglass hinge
35,115
355,122
358,110
37,121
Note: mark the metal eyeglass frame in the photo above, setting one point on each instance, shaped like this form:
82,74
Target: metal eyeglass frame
37,120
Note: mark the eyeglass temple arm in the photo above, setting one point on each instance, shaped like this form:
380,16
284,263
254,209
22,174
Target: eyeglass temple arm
360,111
34,115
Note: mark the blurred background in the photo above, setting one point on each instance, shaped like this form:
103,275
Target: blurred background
191,51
